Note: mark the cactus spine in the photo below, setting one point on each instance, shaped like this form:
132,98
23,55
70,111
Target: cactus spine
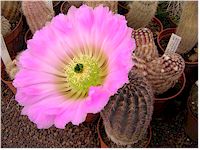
161,72
188,27
111,4
10,10
5,26
37,14
141,13
128,113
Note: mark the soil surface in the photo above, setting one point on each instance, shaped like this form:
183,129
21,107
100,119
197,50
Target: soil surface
19,131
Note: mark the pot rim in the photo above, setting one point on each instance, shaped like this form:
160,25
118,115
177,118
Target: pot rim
61,7
178,93
101,139
26,34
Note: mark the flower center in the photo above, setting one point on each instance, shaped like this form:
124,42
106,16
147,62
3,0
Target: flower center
82,73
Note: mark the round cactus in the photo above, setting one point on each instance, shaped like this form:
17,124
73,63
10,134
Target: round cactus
141,13
128,113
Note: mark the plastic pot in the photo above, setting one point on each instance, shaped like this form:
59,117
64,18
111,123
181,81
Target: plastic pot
13,39
161,103
104,145
191,123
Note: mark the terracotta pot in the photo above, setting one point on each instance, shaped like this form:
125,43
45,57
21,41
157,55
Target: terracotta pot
28,35
191,123
161,103
56,6
13,39
158,22
7,82
91,118
103,144
163,34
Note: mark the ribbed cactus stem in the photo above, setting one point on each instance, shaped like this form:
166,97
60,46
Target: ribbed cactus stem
188,27
128,113
37,14
10,10
161,72
113,5
5,26
141,13
146,48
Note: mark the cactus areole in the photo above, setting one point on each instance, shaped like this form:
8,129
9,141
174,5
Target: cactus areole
73,65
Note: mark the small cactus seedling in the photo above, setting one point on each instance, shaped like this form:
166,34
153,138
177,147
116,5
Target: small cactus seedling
128,113
161,72
141,13
37,14
5,26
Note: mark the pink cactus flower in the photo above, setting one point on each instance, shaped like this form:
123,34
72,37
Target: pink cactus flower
73,65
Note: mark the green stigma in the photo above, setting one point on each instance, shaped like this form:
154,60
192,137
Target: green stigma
78,68
82,73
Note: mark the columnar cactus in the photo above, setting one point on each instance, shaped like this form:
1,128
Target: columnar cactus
5,26
10,10
111,4
128,113
141,13
188,27
37,14
161,72
146,48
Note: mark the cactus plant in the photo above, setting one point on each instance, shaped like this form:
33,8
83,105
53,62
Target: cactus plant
146,48
161,72
128,113
5,26
10,10
37,14
141,13
111,4
188,27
